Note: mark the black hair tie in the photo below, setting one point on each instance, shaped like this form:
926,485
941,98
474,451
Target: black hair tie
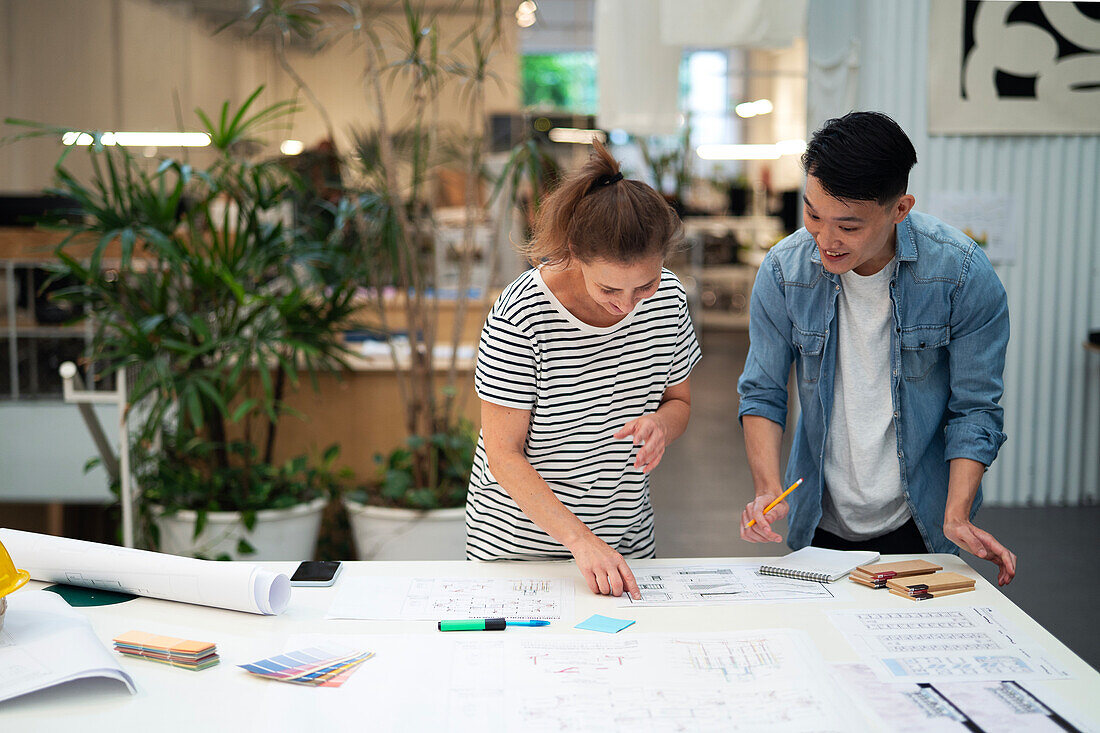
606,180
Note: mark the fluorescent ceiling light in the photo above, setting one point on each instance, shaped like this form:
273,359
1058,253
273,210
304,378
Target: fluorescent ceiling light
791,147
575,135
737,152
752,109
291,147
141,139
751,152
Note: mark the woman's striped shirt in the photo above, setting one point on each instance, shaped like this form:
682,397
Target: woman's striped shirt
581,384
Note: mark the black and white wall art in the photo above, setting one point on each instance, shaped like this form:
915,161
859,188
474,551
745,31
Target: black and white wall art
1013,67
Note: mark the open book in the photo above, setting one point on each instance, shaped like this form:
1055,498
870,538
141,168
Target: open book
819,564
45,643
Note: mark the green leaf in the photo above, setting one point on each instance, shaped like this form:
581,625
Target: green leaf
200,523
242,409
208,389
244,548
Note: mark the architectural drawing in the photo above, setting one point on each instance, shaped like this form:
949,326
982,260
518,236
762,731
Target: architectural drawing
960,643
705,585
756,680
707,682
453,598
952,707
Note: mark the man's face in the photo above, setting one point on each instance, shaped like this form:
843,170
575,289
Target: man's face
850,234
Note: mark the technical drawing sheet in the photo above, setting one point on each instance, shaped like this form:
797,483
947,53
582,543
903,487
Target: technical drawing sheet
947,643
44,642
954,707
710,585
453,598
237,586
742,681
534,681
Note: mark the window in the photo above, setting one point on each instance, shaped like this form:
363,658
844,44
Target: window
560,82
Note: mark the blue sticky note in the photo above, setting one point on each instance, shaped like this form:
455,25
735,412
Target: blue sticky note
608,625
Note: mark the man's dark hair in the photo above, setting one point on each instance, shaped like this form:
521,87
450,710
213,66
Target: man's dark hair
864,156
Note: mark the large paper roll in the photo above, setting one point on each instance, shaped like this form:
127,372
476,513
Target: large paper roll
233,585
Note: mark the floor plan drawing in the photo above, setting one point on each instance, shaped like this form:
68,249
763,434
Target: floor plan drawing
953,707
453,598
524,680
961,643
705,585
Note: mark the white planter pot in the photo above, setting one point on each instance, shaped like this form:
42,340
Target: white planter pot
279,534
382,533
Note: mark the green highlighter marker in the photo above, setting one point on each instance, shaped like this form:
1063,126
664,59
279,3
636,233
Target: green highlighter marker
487,624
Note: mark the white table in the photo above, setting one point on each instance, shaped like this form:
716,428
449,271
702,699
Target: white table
226,698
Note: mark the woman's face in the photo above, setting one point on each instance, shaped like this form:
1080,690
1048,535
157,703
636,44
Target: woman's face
618,287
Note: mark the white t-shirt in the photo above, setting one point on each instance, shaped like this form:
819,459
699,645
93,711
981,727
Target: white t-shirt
581,383
863,493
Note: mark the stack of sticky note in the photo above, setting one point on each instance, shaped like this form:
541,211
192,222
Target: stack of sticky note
877,574
183,653
316,666
932,585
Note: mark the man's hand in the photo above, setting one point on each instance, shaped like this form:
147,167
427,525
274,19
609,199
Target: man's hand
984,545
762,531
651,431
605,570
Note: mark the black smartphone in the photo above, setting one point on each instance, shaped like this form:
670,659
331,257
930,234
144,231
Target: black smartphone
316,573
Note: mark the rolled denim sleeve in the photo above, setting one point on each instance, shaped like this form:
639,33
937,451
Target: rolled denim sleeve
763,384
979,338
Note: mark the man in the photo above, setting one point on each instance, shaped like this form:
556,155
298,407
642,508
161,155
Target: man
898,326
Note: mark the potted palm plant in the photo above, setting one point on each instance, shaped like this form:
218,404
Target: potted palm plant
214,302
414,508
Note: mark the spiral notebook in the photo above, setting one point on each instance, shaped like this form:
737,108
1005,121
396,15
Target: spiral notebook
818,564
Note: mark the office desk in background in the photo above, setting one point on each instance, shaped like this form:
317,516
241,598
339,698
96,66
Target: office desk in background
226,698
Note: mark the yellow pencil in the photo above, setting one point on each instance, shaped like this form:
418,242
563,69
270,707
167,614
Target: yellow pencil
778,499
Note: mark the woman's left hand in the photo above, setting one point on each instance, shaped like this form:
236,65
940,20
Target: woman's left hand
651,432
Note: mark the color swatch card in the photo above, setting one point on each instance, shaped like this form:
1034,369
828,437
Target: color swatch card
319,666
183,653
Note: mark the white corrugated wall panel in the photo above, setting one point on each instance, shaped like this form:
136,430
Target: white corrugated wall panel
1052,384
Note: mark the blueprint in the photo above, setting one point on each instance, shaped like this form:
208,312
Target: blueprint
239,586
537,681
743,681
453,598
954,707
710,585
949,643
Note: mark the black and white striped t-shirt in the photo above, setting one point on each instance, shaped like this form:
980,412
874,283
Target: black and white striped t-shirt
581,384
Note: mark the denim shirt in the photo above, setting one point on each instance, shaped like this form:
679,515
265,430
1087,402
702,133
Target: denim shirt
947,355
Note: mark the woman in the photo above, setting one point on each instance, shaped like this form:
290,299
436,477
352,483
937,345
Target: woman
583,372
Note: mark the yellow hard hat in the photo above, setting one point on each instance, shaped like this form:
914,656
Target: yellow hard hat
11,579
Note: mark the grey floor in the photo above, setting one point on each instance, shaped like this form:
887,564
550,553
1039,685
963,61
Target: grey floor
703,482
